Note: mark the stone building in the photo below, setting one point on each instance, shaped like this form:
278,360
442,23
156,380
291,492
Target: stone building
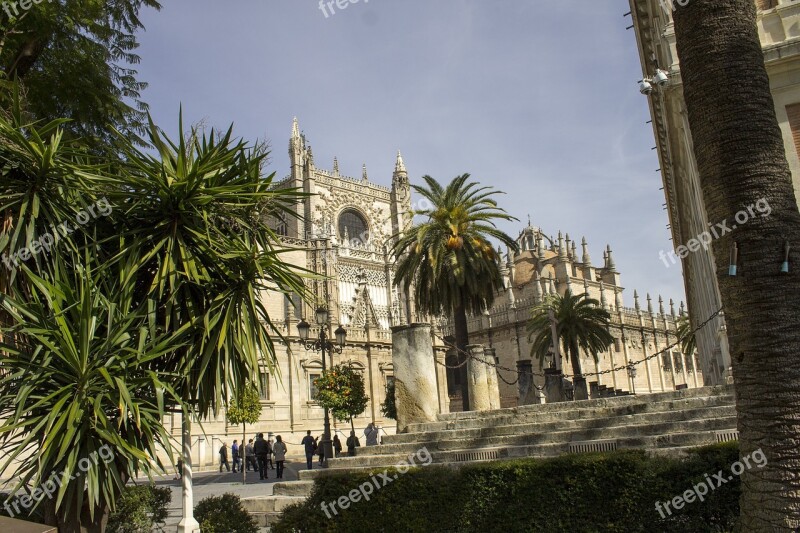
779,29
549,265
341,234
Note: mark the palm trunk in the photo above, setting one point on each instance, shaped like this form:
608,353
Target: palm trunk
462,340
580,391
741,160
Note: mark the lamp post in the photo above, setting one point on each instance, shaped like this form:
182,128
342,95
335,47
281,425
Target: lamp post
632,375
323,344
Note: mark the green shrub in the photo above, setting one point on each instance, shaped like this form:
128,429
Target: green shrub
224,514
610,492
140,509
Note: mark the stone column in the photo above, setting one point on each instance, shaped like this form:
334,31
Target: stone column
525,383
553,385
492,379
416,394
477,379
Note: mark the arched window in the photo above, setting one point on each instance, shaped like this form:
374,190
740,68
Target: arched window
352,224
282,227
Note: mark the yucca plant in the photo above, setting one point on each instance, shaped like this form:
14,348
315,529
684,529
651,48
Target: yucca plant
448,258
81,411
193,221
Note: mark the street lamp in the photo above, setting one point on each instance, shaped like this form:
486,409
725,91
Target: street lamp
322,344
632,375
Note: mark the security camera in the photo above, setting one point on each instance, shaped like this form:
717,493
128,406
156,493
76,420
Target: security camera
661,78
645,87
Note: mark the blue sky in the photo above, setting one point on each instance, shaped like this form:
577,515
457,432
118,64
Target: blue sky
537,98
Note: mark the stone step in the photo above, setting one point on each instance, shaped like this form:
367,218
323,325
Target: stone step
292,488
564,436
673,444
526,426
570,410
269,504
656,397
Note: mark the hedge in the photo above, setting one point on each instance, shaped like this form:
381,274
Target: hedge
603,492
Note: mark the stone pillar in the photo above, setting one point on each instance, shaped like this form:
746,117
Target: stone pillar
492,379
581,389
416,393
553,385
525,384
477,379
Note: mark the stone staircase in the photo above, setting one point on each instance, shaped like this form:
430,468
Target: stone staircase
666,423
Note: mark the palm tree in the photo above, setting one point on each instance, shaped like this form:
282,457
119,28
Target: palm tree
741,159
448,257
581,324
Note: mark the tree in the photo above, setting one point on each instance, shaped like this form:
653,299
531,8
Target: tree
448,257
741,160
389,405
73,59
245,409
581,324
151,306
341,389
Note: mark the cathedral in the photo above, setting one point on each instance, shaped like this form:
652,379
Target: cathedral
341,233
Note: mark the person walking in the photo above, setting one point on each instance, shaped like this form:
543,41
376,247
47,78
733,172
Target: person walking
308,442
280,455
352,444
223,457
250,456
337,445
261,449
321,450
235,456
371,433
271,453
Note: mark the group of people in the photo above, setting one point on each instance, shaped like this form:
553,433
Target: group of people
313,445
257,454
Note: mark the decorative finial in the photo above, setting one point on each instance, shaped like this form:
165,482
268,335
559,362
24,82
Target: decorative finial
537,288
295,129
587,261
574,252
364,172
682,310
672,308
562,251
636,301
611,266
617,298
529,220
335,166
660,305
649,304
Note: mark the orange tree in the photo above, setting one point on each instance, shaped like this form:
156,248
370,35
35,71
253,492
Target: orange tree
341,390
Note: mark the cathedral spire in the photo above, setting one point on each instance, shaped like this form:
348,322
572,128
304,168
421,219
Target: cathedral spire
400,165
